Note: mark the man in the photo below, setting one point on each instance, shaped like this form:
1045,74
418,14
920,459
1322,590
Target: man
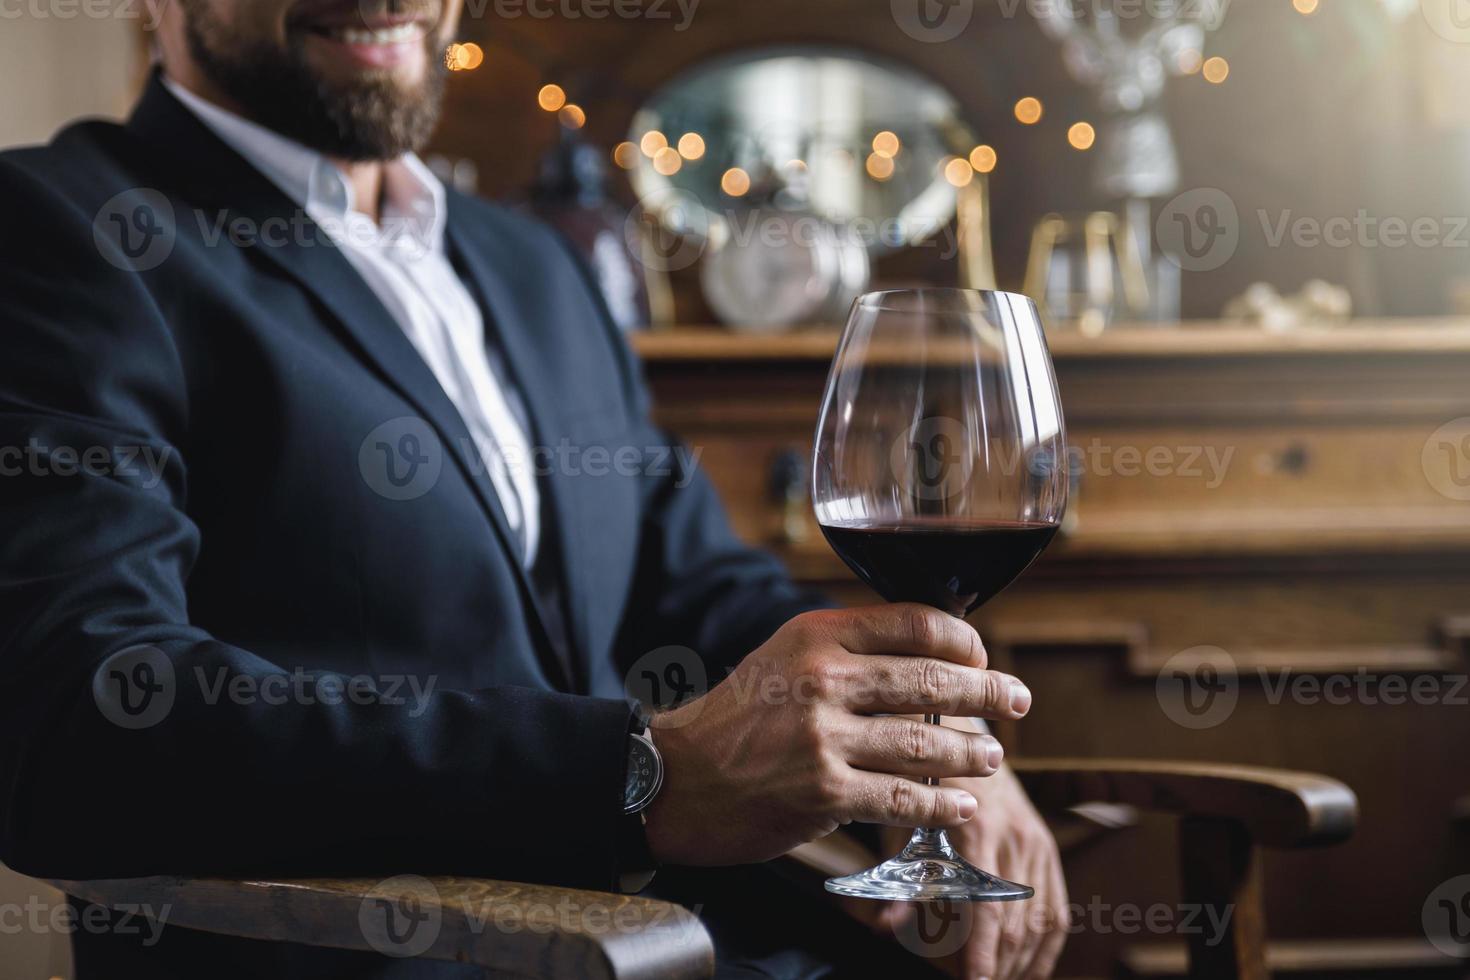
290,582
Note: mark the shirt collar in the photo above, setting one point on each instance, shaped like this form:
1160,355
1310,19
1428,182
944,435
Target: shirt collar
413,198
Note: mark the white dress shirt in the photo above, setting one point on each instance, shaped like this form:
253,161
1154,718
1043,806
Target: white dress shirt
402,259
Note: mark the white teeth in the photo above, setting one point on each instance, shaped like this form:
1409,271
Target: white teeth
386,35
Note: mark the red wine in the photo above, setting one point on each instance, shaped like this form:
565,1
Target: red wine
954,567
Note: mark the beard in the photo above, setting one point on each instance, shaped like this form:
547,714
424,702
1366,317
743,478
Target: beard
371,117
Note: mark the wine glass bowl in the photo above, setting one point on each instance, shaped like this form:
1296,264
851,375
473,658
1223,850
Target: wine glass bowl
939,475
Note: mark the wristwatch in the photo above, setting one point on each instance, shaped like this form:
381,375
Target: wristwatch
644,776
645,772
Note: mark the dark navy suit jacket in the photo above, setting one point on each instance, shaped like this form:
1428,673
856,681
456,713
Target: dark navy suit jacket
189,426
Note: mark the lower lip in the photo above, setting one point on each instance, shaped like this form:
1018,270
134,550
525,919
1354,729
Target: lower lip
393,55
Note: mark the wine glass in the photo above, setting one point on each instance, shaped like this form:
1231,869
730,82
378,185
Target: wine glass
939,475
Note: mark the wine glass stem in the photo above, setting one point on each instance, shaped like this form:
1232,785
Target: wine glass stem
930,780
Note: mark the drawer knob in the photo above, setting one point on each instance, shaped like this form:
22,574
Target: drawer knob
1292,459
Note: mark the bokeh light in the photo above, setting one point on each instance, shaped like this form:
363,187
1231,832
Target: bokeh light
572,116
667,161
652,142
879,167
1028,110
625,155
735,182
691,146
887,144
958,172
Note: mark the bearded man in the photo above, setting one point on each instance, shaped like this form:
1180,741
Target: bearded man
289,586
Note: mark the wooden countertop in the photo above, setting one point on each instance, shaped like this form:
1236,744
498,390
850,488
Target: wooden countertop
1441,335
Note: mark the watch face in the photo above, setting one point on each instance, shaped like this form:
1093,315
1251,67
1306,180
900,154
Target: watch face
645,772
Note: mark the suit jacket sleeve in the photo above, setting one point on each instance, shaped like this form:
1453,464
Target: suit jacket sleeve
118,763
697,586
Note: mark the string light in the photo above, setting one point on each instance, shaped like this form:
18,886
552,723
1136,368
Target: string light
572,116
1216,70
879,167
625,155
1028,110
1305,7
958,172
691,146
551,97
887,144
1081,135
982,158
735,182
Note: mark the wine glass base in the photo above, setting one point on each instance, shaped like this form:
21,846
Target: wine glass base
930,878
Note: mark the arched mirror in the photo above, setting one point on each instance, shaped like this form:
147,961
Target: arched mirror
839,133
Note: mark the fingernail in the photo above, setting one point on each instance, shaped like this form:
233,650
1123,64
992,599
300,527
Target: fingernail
965,804
1020,698
994,754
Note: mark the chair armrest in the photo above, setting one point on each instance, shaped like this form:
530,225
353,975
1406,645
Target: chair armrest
521,929
1277,807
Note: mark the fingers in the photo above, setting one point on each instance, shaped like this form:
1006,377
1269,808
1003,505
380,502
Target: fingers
1043,926
921,685
1018,938
1051,945
912,748
899,802
905,628
981,957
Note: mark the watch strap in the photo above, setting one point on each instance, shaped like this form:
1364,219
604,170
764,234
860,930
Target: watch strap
636,865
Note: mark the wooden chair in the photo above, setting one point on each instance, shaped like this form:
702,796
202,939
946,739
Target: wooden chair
1226,813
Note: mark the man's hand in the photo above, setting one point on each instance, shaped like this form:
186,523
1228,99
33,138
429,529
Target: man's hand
792,744
1008,838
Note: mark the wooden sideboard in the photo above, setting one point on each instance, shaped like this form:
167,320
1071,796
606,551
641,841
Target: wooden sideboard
1280,519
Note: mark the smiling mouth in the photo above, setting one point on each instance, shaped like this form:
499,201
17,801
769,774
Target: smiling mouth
385,34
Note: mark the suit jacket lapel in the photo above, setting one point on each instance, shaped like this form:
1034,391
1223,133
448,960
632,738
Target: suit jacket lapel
213,177
484,260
